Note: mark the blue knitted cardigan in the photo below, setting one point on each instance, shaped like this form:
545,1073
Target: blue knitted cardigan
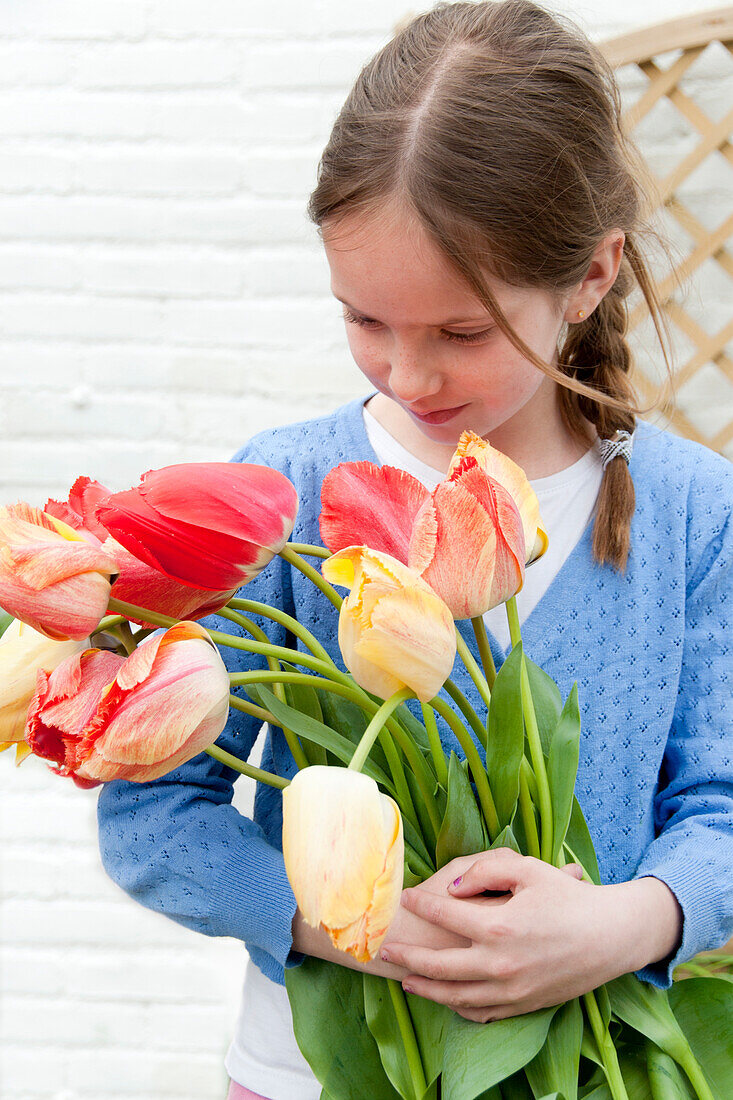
650,650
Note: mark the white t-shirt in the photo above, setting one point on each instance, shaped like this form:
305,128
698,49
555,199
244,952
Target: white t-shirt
263,1055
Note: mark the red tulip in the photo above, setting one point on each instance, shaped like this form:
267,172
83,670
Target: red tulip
466,538
137,582
100,717
53,578
211,525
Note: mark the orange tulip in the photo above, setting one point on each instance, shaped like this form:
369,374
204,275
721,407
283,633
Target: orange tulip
101,717
23,651
53,578
394,630
514,480
344,856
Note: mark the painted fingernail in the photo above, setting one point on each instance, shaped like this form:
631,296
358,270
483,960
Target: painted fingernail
385,955
457,881
407,988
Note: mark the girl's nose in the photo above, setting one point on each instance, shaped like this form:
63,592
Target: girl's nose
413,375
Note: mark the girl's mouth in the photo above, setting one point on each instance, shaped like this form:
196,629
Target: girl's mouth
440,416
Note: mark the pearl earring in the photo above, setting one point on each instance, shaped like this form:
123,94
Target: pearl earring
581,313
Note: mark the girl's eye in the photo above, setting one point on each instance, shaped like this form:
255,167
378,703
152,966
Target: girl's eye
460,337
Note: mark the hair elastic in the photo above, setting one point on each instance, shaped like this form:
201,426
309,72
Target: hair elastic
620,446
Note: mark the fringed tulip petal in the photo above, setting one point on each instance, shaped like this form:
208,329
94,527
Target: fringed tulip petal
168,702
23,651
344,853
51,577
468,542
79,510
212,525
371,505
513,478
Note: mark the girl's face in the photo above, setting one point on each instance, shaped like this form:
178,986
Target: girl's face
423,340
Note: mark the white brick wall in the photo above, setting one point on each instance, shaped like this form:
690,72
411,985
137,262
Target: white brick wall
162,297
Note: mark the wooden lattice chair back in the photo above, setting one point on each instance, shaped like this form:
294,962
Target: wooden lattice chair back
676,81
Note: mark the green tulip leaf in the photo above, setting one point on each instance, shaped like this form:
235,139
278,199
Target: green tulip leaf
579,845
5,621
562,769
555,1066
704,1009
478,1056
304,698
310,729
330,1024
666,1079
461,832
350,720
515,1087
507,839
649,1011
430,1021
384,1026
547,702
505,746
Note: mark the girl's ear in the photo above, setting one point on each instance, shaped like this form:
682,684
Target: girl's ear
599,279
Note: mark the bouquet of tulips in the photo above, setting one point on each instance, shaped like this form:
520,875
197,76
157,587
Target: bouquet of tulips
106,674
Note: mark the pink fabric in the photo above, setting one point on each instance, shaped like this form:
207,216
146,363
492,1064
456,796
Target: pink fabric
239,1092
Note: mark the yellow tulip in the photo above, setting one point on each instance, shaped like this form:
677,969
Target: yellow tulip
394,630
513,478
344,856
23,651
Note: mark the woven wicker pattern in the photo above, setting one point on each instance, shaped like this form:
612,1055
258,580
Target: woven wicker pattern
676,80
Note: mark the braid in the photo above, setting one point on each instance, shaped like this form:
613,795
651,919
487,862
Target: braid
596,353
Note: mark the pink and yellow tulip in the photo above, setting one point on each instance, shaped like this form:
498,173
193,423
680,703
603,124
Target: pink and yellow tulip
23,651
212,525
394,630
100,717
344,856
513,478
53,578
137,583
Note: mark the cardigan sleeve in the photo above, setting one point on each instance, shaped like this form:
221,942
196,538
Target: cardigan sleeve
178,846
693,851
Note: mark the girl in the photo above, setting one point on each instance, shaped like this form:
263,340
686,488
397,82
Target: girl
480,212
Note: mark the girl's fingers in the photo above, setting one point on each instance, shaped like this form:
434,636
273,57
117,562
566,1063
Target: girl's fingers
456,995
446,964
471,921
501,869
574,870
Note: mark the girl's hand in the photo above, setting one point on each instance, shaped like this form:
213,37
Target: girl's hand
550,938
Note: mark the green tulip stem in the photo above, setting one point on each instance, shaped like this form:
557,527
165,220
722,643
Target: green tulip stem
533,737
259,635
369,735
473,669
409,1039
247,769
289,555
341,685
468,712
108,621
251,708
482,641
478,771
291,624
436,749
309,549
526,809
606,1049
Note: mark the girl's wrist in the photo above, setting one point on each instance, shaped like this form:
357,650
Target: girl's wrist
655,921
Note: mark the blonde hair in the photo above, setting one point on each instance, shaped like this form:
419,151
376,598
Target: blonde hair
499,127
